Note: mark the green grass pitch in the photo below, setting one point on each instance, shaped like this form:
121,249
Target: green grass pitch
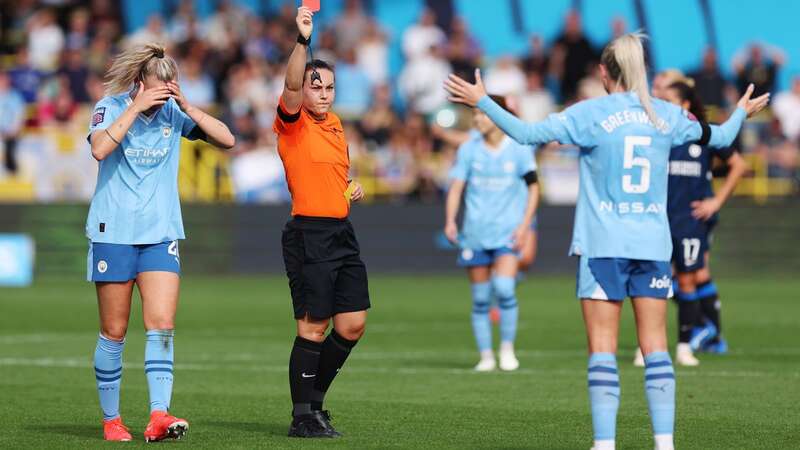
409,382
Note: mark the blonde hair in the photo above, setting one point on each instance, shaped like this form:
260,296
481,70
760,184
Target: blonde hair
138,63
624,60
676,76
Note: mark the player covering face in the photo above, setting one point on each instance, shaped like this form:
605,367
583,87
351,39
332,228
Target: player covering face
621,234
135,223
499,176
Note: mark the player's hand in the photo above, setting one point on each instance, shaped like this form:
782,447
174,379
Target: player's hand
705,209
518,238
463,92
148,98
305,23
358,192
752,106
175,90
451,232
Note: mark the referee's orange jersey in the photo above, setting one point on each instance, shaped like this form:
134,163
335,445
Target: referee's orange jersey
314,155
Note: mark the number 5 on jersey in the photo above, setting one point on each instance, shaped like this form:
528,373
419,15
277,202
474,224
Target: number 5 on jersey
630,161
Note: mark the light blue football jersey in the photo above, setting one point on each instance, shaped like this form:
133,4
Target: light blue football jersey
136,197
624,161
496,194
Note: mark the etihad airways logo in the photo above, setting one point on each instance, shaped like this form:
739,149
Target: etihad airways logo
632,207
146,156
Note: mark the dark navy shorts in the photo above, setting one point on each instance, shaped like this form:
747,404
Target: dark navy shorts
122,262
617,278
691,239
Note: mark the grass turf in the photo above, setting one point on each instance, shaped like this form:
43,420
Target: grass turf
408,384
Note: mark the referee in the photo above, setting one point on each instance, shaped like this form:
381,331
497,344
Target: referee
326,275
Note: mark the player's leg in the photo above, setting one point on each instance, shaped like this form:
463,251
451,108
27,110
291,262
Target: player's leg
688,317
481,287
504,286
114,304
160,291
601,318
659,375
158,281
708,297
111,267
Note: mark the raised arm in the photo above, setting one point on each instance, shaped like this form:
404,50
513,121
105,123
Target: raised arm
105,141
292,95
723,135
555,128
215,131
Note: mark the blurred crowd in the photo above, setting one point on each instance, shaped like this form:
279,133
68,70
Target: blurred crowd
399,126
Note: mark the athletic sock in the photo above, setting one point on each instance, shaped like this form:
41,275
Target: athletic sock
504,289
158,359
108,374
688,314
710,305
481,325
303,370
604,398
659,385
335,350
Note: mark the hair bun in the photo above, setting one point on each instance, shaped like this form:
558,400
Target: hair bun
158,52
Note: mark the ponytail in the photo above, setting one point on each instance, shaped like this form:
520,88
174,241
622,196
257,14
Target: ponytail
624,60
687,93
138,63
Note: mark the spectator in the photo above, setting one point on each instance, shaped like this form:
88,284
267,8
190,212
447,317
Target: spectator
12,117
535,103
376,125
758,68
372,54
709,81
353,88
45,40
196,85
224,27
578,55
25,78
463,51
153,31
59,106
78,35
76,71
395,165
350,26
536,58
106,18
183,25
420,37
421,81
786,108
505,78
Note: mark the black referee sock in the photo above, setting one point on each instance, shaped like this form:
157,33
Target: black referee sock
335,350
303,372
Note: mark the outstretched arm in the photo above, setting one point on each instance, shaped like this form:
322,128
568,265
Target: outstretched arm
723,135
554,128
292,95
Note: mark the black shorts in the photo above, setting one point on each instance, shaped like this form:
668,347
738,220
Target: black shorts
691,239
326,274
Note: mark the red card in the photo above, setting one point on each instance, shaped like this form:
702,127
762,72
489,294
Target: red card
313,5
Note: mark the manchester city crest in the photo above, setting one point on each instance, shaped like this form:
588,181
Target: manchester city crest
166,132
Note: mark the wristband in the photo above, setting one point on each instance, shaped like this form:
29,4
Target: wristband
303,41
109,135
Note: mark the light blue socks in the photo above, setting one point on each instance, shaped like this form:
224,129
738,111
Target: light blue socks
108,373
158,357
481,325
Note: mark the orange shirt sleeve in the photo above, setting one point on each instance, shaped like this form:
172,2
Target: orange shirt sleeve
285,123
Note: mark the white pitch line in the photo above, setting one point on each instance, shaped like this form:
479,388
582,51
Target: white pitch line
82,363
